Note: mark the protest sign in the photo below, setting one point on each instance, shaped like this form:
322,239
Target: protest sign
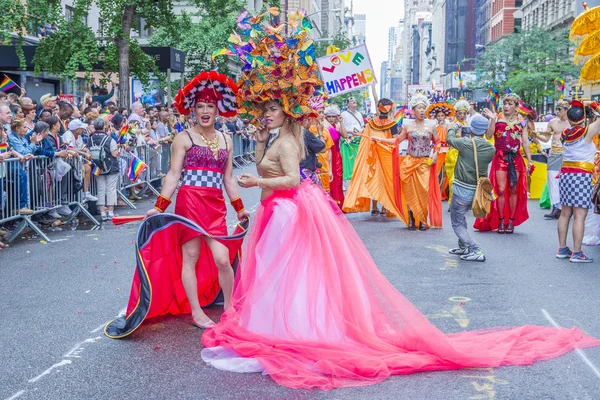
347,70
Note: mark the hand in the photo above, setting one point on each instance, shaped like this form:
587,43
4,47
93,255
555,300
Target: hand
247,180
262,135
151,212
489,114
243,215
340,118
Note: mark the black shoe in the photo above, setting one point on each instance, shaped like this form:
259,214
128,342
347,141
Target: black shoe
422,226
411,222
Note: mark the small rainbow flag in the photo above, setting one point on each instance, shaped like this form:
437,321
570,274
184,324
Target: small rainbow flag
494,98
460,79
3,148
560,84
494,195
136,166
7,84
400,115
95,169
123,134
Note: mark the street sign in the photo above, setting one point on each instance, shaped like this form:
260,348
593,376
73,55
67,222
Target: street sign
578,93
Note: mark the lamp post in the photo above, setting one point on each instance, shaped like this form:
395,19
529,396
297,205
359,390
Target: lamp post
323,11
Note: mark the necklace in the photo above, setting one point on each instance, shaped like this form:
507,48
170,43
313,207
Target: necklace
212,144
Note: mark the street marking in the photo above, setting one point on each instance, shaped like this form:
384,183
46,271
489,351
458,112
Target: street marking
46,372
18,394
119,315
457,312
450,261
75,351
486,389
579,352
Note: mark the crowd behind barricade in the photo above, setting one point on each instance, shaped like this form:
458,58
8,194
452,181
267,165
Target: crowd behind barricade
58,160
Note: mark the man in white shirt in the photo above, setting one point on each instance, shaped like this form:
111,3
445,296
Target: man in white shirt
73,140
353,119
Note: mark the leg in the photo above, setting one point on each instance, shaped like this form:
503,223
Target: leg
101,181
374,208
563,225
24,189
191,251
87,177
579,215
513,198
458,209
111,191
501,201
221,256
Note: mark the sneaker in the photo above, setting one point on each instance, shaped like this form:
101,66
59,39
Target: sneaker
89,197
459,251
473,256
564,252
25,211
64,210
110,214
105,216
579,257
54,214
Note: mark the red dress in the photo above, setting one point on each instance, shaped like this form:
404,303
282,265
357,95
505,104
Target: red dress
507,140
200,210
337,170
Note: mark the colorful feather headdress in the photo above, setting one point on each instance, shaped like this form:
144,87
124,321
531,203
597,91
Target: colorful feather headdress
274,66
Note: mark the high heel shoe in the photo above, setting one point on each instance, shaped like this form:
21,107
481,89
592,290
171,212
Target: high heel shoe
411,222
206,325
501,227
510,228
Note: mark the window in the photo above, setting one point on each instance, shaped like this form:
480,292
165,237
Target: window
70,12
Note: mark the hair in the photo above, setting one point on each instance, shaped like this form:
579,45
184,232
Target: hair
64,106
2,95
14,108
16,124
96,104
88,110
40,127
117,121
99,124
13,97
135,106
298,134
27,108
52,121
575,114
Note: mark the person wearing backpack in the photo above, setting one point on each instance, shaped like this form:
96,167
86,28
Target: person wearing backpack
104,154
466,180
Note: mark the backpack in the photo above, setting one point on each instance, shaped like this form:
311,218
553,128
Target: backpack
482,201
100,156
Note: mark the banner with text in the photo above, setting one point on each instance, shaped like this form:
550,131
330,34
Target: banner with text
347,70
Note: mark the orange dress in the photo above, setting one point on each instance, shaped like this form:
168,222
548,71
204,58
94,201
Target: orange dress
373,177
323,157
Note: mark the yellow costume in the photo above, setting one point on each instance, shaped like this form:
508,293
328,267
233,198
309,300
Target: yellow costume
373,172
451,159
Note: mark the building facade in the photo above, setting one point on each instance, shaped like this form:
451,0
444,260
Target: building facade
360,28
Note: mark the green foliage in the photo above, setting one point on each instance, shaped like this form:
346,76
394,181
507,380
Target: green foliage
527,62
339,40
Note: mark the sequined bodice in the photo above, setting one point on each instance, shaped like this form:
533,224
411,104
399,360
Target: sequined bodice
419,143
203,157
507,137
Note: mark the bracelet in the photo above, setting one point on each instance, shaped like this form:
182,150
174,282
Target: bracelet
162,203
259,183
237,204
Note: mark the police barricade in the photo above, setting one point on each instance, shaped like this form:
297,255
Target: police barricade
38,186
243,151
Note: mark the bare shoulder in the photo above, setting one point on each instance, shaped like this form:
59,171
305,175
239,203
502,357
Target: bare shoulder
182,140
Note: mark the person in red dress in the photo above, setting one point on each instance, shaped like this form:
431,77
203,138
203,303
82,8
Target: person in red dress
508,173
333,123
205,156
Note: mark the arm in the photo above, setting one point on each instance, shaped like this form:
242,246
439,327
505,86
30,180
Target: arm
525,139
19,146
102,99
289,159
312,143
455,142
229,182
436,145
342,129
489,114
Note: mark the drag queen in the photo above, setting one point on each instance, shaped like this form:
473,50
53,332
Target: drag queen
508,173
183,263
461,109
440,111
322,316
333,124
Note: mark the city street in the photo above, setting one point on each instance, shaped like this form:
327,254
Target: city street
56,298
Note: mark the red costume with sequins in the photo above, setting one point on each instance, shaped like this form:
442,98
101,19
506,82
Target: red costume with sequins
507,140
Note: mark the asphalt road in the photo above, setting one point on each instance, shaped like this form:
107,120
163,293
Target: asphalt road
56,297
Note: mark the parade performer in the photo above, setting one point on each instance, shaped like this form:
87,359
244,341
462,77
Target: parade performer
553,134
373,181
187,261
333,124
575,183
508,173
354,123
310,307
317,127
441,111
461,108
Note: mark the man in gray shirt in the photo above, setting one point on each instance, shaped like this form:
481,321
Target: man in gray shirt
465,183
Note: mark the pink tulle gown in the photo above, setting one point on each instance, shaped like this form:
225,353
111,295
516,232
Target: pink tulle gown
311,309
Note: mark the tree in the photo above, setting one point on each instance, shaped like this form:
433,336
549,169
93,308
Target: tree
528,62
75,47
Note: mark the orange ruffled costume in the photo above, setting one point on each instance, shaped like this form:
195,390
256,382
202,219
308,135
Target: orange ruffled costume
324,158
373,177
440,166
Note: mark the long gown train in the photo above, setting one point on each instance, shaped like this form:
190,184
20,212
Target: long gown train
311,309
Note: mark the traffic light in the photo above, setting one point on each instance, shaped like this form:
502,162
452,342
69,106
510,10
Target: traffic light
332,49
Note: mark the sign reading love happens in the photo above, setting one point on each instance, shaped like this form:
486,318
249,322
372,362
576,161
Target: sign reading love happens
347,70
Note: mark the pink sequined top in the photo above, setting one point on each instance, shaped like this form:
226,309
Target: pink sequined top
203,157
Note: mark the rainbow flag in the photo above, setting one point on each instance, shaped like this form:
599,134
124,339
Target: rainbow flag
136,166
400,115
123,134
560,84
95,170
494,195
7,84
494,98
3,148
460,79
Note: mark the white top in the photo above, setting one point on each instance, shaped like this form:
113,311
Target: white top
579,151
70,140
353,120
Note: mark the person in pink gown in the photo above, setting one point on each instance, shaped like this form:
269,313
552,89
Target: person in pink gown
310,307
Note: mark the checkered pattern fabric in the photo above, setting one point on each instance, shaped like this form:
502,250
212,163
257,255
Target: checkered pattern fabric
203,178
576,190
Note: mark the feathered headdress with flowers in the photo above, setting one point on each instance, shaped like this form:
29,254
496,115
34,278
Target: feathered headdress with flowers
274,66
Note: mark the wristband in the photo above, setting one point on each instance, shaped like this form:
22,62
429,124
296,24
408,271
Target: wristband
162,203
237,204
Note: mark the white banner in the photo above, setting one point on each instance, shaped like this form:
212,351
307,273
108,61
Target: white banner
347,70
